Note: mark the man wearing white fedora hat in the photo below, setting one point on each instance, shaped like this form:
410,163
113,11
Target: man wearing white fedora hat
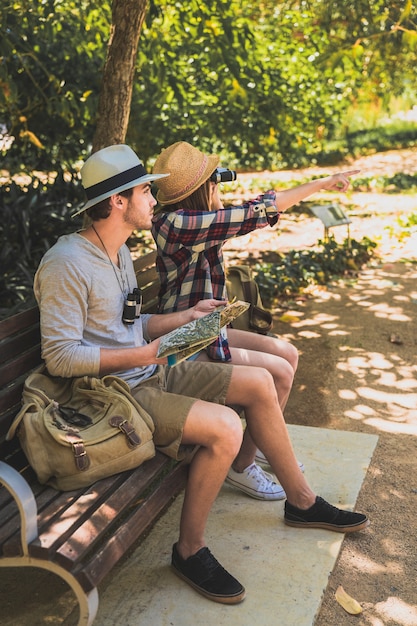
82,285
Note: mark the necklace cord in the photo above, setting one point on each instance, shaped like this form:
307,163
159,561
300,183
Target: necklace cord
111,263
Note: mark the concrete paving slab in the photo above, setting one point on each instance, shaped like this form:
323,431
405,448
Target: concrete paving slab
285,570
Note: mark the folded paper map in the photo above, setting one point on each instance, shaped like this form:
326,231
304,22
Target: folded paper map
190,338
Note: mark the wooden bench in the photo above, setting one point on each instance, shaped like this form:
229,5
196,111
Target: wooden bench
78,535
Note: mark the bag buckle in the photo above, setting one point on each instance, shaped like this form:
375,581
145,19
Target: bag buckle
120,422
81,459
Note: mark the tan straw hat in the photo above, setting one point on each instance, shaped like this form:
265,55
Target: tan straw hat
111,170
189,168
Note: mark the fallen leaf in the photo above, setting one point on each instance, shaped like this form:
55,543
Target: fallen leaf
346,601
288,318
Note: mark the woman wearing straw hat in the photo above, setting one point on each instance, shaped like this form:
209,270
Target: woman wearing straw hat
190,227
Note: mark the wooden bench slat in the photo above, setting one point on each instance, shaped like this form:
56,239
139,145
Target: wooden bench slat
55,526
144,261
92,573
10,531
14,456
148,280
147,277
100,521
18,322
51,503
10,401
7,448
10,528
8,508
10,518
18,344
151,296
21,365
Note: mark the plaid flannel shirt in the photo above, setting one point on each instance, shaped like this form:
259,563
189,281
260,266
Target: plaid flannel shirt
190,259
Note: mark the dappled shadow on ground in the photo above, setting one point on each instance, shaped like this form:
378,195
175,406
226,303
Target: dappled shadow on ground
378,566
357,346
358,371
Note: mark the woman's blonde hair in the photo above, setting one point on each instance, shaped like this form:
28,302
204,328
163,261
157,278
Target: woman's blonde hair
198,200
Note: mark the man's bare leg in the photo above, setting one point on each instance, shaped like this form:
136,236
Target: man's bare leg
279,357
218,432
268,430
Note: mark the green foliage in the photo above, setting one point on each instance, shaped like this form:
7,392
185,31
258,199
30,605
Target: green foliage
51,53
408,221
299,269
386,184
267,84
405,226
376,42
381,138
210,76
33,218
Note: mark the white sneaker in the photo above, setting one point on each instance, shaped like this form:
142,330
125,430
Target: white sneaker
261,458
256,483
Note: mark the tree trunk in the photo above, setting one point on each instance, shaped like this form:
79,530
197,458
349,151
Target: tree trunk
117,84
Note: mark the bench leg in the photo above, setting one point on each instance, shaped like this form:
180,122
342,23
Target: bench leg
87,602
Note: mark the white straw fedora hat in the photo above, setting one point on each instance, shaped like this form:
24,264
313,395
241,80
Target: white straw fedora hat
111,170
189,168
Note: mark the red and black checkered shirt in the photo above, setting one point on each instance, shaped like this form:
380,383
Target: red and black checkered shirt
189,254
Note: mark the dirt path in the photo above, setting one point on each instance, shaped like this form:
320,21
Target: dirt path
358,372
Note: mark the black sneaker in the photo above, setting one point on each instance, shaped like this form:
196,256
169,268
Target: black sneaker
203,572
324,515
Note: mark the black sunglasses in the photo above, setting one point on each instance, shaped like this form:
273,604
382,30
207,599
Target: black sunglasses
74,417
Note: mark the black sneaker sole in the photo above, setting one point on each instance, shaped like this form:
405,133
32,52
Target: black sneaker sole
233,599
327,526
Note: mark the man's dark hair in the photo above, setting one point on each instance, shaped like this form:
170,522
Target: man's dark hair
101,210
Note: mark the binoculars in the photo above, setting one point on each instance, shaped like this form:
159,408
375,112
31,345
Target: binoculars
223,175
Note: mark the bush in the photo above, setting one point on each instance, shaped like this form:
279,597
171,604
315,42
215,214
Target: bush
300,269
33,217
386,184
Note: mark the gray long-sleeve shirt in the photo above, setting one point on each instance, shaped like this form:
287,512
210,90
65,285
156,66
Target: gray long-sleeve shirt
79,293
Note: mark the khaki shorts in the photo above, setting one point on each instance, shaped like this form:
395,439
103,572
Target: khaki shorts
170,393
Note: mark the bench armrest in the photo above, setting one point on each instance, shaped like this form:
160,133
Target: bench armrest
25,500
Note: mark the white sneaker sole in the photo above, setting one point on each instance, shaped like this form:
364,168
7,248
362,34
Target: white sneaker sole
258,495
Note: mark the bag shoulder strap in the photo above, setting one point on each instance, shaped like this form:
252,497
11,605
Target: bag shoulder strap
243,271
31,407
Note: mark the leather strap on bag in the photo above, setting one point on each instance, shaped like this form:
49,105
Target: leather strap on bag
117,421
250,295
80,455
81,459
